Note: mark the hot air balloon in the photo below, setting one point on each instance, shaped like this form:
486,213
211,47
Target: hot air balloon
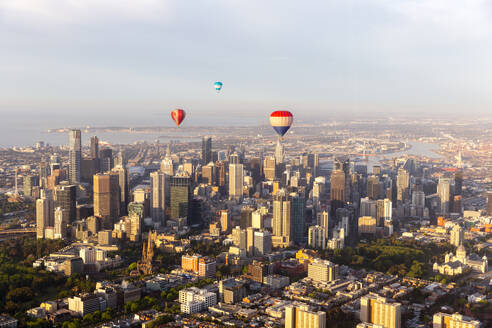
281,120
218,86
178,116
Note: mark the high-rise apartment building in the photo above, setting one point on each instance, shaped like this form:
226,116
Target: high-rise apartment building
239,238
250,241
74,156
107,198
316,237
61,222
302,316
323,270
262,243
236,181
206,150
367,225
379,310
323,220
44,213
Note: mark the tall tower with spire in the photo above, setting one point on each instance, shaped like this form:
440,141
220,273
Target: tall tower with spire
279,152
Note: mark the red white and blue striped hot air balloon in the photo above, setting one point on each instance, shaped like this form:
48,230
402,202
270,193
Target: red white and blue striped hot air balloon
281,120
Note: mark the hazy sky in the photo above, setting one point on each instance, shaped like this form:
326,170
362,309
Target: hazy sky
134,59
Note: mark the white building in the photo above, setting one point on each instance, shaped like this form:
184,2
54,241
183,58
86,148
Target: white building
194,300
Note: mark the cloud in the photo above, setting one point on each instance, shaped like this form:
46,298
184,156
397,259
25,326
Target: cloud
453,19
80,12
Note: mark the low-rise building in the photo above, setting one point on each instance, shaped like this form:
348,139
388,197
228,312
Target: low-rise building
456,320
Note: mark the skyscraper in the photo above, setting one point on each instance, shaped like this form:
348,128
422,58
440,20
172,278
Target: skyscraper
402,185
458,182
124,183
74,155
106,159
236,181
298,219
167,166
281,222
220,176
324,221
262,243
246,217
337,189
373,187
368,207
107,198
255,169
65,198
279,152
94,147
208,173
225,221
269,168
206,150
488,196
61,222
159,191
44,213
180,196
28,182
444,192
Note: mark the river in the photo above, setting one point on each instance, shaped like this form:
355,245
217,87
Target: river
417,149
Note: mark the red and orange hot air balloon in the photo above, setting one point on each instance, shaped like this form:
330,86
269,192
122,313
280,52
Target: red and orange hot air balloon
178,116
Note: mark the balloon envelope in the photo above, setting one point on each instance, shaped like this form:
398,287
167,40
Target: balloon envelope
218,86
178,116
281,121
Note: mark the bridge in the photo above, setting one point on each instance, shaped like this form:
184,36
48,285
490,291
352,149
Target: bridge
13,232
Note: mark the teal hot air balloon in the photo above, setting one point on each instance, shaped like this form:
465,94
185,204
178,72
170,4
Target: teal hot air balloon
218,86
